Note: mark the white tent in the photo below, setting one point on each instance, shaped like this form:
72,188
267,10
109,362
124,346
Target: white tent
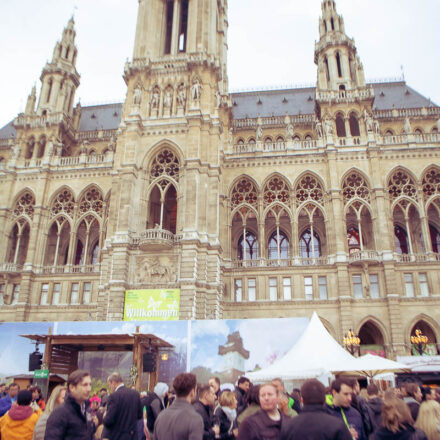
314,355
371,365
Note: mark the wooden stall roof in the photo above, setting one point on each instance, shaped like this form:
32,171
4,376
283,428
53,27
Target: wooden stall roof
102,342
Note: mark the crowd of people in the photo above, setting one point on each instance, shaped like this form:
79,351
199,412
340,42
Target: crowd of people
191,411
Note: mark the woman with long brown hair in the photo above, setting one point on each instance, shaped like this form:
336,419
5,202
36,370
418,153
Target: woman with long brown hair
397,422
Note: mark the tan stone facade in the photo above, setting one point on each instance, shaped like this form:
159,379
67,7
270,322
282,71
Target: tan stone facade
258,204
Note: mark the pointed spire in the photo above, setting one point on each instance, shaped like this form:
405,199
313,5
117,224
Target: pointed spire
32,99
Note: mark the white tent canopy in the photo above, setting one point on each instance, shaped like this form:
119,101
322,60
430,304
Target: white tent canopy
371,365
314,355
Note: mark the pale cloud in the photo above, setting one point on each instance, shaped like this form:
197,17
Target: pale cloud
266,338
211,328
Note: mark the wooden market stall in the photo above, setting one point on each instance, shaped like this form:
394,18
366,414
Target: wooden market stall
61,351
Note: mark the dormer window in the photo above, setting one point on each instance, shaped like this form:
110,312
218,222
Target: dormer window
93,116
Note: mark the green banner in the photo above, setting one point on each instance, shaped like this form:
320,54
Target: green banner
41,374
152,305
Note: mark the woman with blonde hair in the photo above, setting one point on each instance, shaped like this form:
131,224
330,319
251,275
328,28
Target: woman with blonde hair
428,419
225,416
397,422
55,399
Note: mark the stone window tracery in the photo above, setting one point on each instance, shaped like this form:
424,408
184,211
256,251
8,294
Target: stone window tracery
309,188
93,201
276,190
401,184
165,163
244,191
431,183
355,186
24,205
64,202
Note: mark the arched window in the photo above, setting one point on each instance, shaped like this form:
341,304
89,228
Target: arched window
435,238
353,239
400,240
431,183
163,207
278,246
165,163
340,126
49,90
338,59
354,125
247,249
308,247
276,190
327,70
19,242
333,24
430,348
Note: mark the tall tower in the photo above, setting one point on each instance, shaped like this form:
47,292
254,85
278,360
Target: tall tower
59,77
339,66
163,229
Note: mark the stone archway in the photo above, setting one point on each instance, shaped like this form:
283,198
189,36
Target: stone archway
372,339
431,347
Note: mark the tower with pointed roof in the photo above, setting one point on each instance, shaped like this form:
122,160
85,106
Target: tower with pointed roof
170,137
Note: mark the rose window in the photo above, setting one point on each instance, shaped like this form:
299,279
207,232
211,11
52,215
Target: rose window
165,164
25,205
244,191
431,184
309,188
64,202
401,184
355,186
276,190
91,201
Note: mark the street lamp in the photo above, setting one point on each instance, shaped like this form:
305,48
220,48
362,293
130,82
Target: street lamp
419,341
352,342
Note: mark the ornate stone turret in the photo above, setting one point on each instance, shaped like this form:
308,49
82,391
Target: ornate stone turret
30,104
339,67
59,77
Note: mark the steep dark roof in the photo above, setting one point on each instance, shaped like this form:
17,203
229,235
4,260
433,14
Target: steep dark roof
8,131
388,95
296,101
100,117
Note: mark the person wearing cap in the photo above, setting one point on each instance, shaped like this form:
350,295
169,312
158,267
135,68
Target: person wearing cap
19,422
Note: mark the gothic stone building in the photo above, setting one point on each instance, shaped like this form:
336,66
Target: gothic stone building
258,204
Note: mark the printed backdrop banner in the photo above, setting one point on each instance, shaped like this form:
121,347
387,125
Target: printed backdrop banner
152,305
223,348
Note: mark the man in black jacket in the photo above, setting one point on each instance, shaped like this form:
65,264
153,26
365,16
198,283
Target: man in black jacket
204,406
241,392
313,423
71,421
123,411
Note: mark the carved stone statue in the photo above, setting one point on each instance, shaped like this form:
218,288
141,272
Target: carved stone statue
168,98
318,128
152,270
438,125
368,121
407,126
289,131
259,133
16,150
112,143
230,136
218,99
137,95
376,126
155,98
181,96
196,90
328,127
83,148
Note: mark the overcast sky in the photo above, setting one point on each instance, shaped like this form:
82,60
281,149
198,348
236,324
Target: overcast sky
271,43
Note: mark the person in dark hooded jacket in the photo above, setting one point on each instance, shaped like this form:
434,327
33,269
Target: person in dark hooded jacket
374,408
397,423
